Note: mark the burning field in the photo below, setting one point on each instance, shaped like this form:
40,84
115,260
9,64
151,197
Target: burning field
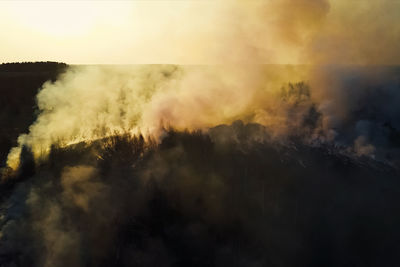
267,134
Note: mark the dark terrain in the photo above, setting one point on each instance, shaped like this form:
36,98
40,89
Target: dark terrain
232,196
195,200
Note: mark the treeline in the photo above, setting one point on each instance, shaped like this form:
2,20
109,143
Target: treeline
32,66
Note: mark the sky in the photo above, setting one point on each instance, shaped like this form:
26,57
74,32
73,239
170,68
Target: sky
201,32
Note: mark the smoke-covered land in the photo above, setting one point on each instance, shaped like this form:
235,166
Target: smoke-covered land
173,165
200,133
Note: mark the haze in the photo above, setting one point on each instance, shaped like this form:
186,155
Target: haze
200,32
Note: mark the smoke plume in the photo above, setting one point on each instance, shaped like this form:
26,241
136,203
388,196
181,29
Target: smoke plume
91,102
238,163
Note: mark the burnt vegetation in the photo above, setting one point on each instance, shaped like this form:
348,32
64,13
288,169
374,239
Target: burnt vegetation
197,199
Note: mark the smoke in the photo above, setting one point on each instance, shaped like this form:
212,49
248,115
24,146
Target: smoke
325,104
356,32
78,187
302,32
91,102
266,31
185,165
358,103
88,103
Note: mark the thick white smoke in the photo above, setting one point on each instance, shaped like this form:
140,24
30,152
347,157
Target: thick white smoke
88,103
